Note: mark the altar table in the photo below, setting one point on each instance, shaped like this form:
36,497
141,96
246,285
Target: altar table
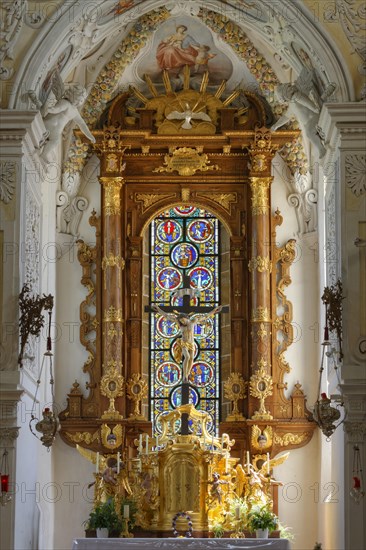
180,544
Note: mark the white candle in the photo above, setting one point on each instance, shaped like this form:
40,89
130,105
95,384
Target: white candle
140,443
268,463
139,465
147,444
157,442
126,511
237,512
248,462
97,465
118,465
226,464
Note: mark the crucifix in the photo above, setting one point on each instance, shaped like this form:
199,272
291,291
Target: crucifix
183,316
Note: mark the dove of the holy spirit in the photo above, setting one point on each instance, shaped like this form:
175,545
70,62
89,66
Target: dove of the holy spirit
187,116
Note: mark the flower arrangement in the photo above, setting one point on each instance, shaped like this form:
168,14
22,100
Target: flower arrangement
188,533
260,517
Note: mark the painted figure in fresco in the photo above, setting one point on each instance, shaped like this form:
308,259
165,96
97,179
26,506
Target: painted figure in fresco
185,344
177,50
203,57
305,97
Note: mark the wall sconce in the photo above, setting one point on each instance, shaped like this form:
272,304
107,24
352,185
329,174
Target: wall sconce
325,414
5,497
49,424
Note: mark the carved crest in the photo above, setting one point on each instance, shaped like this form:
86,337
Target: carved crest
186,161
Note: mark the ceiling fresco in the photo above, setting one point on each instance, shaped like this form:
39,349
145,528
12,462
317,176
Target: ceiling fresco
109,45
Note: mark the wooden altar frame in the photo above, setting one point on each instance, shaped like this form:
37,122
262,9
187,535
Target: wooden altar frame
135,187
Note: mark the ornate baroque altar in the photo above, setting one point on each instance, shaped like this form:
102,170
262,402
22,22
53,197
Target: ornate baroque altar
150,162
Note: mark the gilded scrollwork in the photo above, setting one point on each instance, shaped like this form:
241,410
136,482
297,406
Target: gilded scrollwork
149,199
260,264
225,200
83,437
290,439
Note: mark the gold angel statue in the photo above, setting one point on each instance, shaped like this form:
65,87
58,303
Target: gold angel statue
111,479
253,484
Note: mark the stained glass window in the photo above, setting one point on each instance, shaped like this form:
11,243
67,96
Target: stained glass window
184,247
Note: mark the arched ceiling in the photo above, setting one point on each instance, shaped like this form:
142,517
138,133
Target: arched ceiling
82,36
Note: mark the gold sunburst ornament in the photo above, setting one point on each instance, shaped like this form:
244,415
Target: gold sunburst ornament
261,385
234,389
136,391
111,385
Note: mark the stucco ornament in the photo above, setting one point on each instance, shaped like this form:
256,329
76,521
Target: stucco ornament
7,181
305,98
57,114
62,112
356,173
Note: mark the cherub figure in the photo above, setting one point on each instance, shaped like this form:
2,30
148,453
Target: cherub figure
65,110
216,491
109,483
203,56
253,484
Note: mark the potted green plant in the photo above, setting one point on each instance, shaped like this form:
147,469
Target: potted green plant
104,519
218,530
262,521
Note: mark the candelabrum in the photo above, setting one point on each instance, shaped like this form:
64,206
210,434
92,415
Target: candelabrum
5,497
327,410
48,425
357,492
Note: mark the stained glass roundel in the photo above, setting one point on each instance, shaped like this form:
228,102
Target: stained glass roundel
168,374
201,277
200,230
169,278
184,210
176,397
169,231
184,255
203,330
167,328
201,374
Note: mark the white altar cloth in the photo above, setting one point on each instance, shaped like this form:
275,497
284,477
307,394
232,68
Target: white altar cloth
181,544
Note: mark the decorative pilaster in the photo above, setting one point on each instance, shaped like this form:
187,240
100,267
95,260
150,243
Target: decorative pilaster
260,269
110,150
